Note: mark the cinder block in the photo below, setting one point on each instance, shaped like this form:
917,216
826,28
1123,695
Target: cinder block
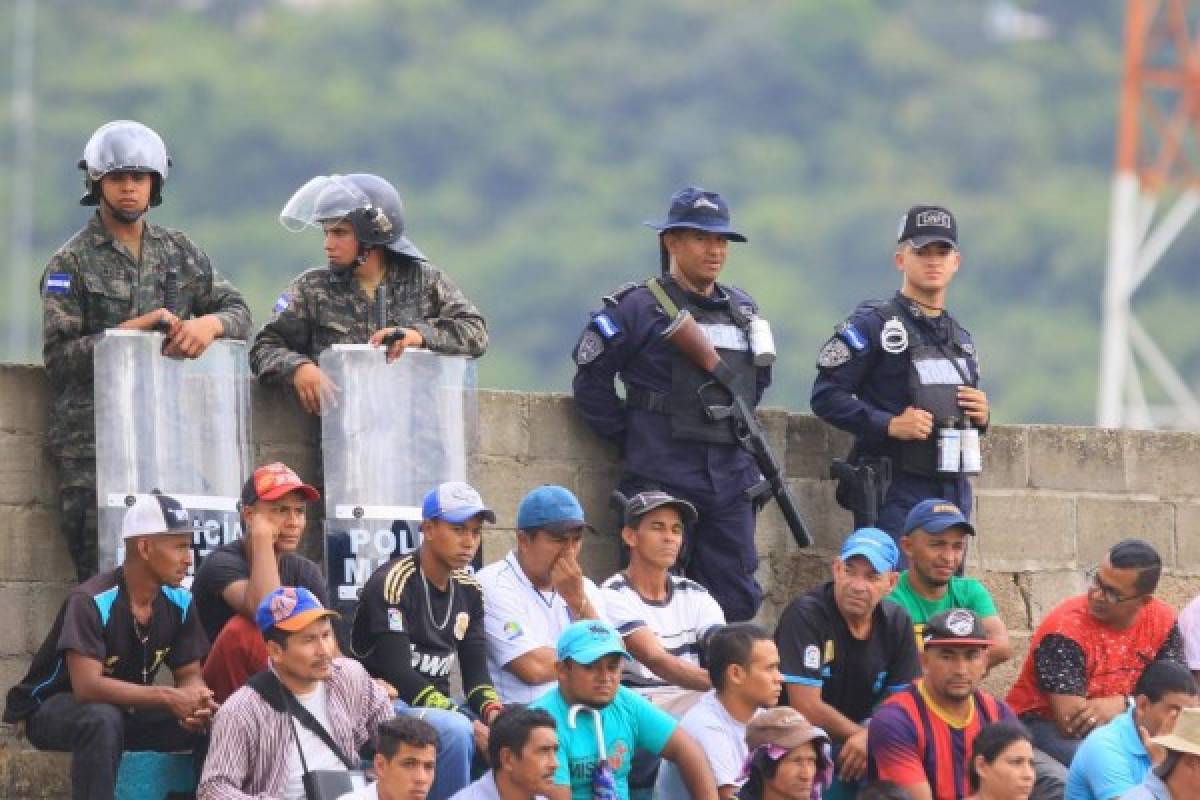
278,416
1163,464
497,542
1005,458
24,399
1024,530
593,485
42,602
1005,589
811,445
789,574
1076,459
1003,676
32,547
828,522
1101,522
556,432
14,634
24,475
504,424
30,774
1178,590
1187,537
1045,590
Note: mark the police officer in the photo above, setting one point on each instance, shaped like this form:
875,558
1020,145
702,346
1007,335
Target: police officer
369,258
120,271
902,376
668,441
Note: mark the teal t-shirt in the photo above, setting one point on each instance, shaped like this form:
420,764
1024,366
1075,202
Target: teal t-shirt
966,593
630,721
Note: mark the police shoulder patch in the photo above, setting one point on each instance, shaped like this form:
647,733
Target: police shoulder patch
589,348
852,336
834,353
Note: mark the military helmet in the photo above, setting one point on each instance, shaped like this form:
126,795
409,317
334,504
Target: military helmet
368,202
123,146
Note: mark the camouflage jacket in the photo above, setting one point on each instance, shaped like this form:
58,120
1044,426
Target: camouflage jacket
322,308
93,283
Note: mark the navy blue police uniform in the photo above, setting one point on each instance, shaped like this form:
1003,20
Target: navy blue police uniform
661,427
889,355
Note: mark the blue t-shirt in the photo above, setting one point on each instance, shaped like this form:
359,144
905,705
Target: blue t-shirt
630,721
1110,761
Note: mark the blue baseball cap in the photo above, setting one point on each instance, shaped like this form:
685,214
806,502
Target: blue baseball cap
291,609
589,639
550,508
875,546
455,502
936,515
701,210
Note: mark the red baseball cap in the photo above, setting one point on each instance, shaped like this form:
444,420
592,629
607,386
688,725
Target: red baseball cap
273,481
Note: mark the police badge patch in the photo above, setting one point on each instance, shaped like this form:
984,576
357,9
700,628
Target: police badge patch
590,346
835,353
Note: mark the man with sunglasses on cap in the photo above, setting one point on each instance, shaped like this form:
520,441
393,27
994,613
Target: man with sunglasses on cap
535,592
91,689
1086,655
662,427
935,542
235,577
421,612
369,259
843,650
311,711
590,704
901,375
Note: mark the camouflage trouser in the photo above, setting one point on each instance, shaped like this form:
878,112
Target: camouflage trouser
77,507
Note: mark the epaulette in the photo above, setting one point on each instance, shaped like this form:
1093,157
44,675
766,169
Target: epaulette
619,293
396,579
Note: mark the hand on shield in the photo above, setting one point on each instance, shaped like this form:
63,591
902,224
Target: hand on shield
314,389
191,337
396,340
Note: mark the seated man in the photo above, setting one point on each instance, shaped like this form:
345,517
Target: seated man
91,688
261,743
921,738
600,749
1113,758
1178,777
523,751
842,650
1087,654
935,542
743,664
663,618
405,755
235,577
417,614
535,592
788,758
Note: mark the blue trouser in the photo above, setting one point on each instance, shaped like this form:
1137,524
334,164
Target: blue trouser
907,490
455,749
719,553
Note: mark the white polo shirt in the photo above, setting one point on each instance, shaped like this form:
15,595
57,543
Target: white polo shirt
518,619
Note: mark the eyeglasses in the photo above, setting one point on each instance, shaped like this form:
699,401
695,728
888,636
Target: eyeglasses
1109,594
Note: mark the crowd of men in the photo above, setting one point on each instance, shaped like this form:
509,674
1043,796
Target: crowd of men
526,679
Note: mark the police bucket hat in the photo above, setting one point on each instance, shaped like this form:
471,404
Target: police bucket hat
700,210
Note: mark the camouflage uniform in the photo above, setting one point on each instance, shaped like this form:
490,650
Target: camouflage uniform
91,284
322,308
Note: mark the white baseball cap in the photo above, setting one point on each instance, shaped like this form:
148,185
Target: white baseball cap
153,514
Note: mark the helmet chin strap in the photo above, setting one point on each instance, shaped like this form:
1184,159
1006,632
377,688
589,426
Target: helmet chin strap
127,217
359,260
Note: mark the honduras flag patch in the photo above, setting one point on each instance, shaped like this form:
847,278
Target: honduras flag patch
608,329
58,283
282,303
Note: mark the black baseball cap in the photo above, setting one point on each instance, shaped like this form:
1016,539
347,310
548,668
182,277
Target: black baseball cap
922,225
643,503
959,627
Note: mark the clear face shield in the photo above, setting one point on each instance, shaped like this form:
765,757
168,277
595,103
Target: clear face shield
322,199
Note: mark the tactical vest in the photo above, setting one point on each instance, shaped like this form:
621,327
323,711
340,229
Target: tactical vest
692,389
934,374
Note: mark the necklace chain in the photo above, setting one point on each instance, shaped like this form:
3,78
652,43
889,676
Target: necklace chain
429,603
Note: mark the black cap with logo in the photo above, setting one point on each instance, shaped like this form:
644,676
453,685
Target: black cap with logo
923,225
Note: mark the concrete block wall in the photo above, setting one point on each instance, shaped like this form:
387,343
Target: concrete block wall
1053,499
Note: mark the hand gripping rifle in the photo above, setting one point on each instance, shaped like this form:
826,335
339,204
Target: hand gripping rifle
685,333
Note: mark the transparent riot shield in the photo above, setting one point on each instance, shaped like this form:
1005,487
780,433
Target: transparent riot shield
393,432
181,426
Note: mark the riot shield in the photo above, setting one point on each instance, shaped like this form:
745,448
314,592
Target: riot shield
392,433
181,426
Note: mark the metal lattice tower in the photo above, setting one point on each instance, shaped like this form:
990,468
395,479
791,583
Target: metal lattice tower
1156,192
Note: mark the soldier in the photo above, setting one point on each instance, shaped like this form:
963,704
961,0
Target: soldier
662,428
371,264
902,376
120,271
